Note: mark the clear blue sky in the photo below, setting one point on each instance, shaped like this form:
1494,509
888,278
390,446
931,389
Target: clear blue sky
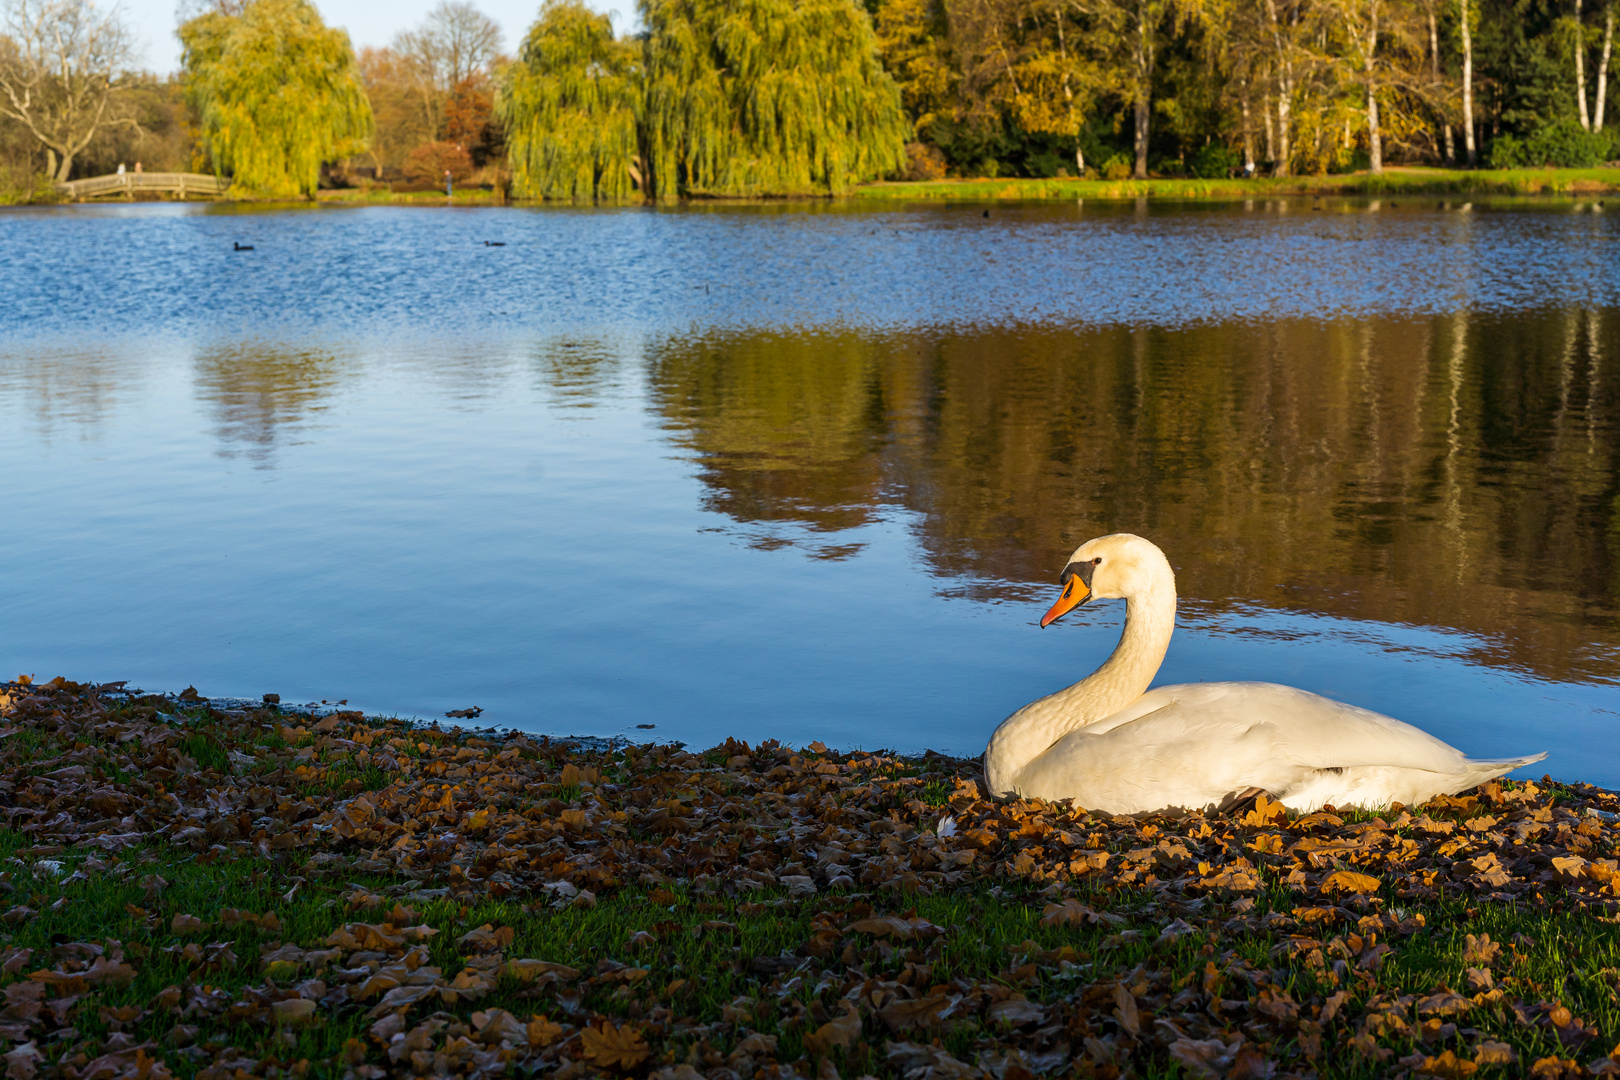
369,22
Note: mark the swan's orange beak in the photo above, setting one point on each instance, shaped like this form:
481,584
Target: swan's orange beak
1075,593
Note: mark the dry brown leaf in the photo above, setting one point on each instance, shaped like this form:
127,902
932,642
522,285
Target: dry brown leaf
614,1046
1070,912
1350,881
293,1011
893,926
542,1032
22,1062
1125,1009
838,1034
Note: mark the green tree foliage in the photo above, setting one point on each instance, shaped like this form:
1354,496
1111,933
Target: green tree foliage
569,107
278,93
767,97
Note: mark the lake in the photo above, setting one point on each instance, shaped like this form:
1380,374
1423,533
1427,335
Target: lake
810,471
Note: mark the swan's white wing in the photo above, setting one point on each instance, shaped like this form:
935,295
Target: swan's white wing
1192,745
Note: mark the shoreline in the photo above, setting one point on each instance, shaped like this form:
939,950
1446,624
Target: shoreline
1539,185
282,894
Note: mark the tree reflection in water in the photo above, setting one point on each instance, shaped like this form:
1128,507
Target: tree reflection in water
259,395
1455,472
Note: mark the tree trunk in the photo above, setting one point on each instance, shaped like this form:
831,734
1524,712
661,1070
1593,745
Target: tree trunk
1248,129
1375,138
1580,68
65,168
1141,137
50,162
1144,77
1271,133
1434,74
1468,85
1285,91
1079,160
1603,65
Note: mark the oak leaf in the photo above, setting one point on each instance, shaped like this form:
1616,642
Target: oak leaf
1481,950
1266,812
542,1032
614,1046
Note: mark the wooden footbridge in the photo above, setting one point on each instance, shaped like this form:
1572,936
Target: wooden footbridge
128,183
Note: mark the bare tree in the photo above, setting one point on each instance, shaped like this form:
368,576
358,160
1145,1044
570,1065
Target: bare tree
1593,120
455,42
1467,80
62,64
1603,65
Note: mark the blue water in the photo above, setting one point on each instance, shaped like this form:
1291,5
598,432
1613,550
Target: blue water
377,461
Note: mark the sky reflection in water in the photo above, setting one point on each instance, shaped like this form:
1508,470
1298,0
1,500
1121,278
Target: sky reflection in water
809,474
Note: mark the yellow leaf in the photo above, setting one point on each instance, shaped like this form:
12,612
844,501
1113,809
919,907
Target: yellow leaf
1449,1066
1350,881
1266,812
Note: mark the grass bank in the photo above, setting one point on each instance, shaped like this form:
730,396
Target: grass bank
382,196
1411,182
225,893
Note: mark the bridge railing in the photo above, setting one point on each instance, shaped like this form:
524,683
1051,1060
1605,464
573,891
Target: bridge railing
181,184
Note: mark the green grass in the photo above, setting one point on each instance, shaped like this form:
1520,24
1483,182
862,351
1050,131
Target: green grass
1503,182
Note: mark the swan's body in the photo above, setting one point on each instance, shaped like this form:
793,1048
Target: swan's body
1110,744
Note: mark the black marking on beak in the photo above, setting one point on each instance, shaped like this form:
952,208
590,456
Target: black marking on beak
1078,568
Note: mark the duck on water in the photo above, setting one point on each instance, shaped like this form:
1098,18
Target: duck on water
1110,744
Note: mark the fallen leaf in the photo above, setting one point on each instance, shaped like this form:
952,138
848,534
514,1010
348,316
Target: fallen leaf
614,1046
838,1034
1350,881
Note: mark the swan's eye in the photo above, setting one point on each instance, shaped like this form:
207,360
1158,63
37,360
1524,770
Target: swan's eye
1097,561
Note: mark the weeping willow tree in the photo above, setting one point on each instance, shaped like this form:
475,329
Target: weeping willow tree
277,92
766,97
569,107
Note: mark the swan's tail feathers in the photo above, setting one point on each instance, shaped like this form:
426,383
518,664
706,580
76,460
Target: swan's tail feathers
1479,770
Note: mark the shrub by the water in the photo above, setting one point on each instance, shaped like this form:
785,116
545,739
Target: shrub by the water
1564,145
20,184
428,163
1117,167
1214,161
924,162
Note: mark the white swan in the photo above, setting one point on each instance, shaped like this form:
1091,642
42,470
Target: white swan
1109,746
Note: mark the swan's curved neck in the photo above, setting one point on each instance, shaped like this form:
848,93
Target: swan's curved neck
1150,619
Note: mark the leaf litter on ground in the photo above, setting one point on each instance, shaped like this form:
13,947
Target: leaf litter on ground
222,893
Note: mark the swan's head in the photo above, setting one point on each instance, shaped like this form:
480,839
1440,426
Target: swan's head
1116,566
